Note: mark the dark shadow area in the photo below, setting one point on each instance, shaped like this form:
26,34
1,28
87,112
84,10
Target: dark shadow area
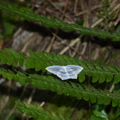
47,31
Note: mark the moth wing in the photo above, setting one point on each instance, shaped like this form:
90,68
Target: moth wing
73,69
53,69
63,76
67,73
68,76
62,73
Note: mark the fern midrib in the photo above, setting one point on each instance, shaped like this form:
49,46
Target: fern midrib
51,22
39,112
39,61
47,60
25,108
64,62
70,88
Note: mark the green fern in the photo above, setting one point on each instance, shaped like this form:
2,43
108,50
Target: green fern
39,61
67,88
38,112
51,22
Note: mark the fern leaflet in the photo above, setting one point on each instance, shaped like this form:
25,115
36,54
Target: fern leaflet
66,88
39,61
38,112
51,22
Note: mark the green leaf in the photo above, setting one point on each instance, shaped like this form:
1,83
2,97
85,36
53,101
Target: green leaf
96,76
81,76
51,22
117,114
99,112
102,77
40,61
29,63
38,112
116,78
109,77
114,102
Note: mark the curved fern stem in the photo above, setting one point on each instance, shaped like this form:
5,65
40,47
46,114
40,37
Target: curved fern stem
51,22
66,88
38,112
39,61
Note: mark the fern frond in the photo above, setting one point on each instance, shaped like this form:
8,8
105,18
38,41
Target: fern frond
11,58
51,22
39,61
66,88
38,112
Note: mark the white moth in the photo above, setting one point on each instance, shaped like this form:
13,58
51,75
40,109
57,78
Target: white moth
65,72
